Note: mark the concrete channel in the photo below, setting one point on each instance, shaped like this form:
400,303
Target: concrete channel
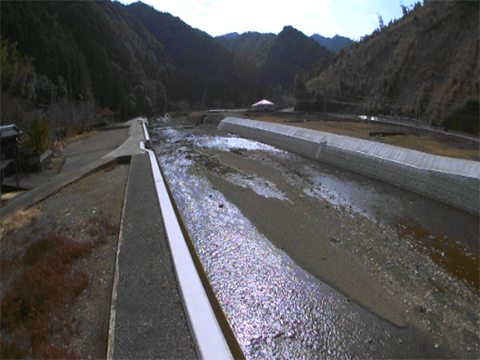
209,327
403,169
451,181
311,260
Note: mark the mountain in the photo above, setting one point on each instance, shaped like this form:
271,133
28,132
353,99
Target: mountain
280,56
72,58
134,60
251,45
131,60
204,68
334,44
229,36
88,51
423,65
288,53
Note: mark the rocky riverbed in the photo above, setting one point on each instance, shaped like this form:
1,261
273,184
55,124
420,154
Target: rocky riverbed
395,273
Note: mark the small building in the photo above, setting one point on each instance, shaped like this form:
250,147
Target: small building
9,143
263,105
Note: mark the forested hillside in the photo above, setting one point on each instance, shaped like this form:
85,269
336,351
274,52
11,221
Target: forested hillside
251,45
71,60
334,44
290,52
204,70
280,56
86,51
425,65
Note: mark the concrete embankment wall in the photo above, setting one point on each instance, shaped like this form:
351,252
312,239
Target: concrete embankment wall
454,182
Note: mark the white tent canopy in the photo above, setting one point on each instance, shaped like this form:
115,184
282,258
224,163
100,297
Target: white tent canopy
263,102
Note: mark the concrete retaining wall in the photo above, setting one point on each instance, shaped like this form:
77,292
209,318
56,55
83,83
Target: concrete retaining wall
454,182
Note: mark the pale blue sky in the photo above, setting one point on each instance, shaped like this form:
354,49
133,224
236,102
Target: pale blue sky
350,18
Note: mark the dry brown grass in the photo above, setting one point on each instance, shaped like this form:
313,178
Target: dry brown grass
435,144
59,145
18,220
58,148
35,308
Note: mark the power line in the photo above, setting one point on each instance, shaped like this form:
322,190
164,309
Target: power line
35,94
10,76
25,99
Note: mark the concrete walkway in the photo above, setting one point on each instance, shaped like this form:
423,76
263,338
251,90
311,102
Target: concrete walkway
32,197
81,159
149,320
147,317
148,311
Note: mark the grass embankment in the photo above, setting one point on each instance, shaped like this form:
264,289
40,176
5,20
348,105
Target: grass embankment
414,139
43,286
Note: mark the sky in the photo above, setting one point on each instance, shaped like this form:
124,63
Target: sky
350,18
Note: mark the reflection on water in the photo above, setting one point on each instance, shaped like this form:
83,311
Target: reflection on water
276,309
259,185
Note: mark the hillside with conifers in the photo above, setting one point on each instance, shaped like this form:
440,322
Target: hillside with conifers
76,63
424,66
205,73
82,52
278,57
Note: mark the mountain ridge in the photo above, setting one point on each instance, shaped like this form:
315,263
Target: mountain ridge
133,60
334,44
89,51
424,65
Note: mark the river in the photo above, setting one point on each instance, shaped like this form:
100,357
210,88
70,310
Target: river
312,261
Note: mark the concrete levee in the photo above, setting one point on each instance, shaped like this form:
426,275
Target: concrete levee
455,182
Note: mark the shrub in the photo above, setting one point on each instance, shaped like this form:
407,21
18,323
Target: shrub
39,137
35,320
465,119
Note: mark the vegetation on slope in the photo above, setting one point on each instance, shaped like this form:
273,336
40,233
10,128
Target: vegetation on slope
69,60
290,52
334,44
205,72
425,65
88,51
251,45
280,57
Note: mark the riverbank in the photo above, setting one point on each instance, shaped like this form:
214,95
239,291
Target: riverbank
60,245
433,297
408,135
80,214
390,251
452,181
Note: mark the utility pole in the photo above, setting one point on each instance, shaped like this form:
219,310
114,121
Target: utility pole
203,99
52,104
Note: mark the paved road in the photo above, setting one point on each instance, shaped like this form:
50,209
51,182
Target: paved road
81,153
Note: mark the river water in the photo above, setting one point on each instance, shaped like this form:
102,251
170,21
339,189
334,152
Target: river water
276,308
